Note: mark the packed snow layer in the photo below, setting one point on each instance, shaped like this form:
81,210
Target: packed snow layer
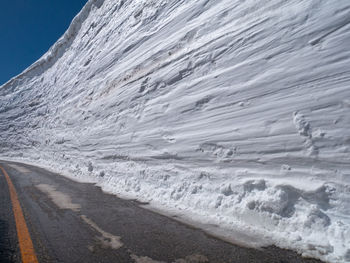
234,113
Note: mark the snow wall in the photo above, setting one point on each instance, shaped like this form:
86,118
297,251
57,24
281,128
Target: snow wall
231,113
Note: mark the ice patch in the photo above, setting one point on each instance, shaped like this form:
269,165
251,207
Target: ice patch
106,238
20,168
62,200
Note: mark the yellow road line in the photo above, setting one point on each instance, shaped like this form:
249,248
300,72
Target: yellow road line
24,240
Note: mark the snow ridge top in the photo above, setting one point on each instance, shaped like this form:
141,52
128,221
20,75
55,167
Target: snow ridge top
57,50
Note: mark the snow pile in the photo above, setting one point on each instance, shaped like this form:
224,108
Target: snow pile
235,113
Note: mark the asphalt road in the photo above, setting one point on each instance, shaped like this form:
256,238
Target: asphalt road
75,222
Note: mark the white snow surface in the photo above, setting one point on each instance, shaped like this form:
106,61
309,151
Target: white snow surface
230,113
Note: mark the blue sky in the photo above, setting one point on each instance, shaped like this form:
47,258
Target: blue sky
28,28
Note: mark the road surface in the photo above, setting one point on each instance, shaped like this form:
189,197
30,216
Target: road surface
59,220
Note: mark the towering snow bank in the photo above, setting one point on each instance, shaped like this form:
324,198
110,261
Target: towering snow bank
234,112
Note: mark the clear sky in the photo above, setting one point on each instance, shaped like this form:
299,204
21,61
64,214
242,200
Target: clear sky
28,28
